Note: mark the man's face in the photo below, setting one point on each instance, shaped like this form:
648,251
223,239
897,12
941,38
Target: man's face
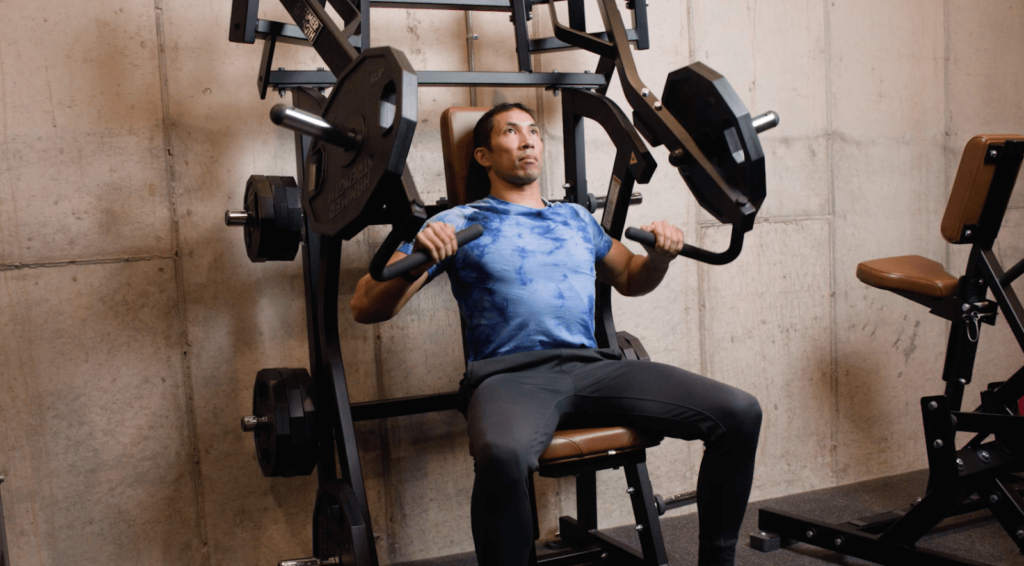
516,153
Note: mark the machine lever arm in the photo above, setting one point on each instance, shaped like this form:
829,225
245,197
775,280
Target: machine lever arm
420,257
693,252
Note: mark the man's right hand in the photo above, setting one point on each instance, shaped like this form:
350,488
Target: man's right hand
376,301
438,240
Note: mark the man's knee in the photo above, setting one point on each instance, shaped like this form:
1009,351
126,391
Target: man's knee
743,415
505,461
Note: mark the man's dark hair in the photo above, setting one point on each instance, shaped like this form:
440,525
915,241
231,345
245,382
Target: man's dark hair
478,184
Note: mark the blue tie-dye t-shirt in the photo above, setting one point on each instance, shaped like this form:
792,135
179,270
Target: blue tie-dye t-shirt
527,283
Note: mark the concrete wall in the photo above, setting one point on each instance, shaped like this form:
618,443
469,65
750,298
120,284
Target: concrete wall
132,324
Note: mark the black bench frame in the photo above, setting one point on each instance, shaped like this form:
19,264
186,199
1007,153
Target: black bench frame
980,475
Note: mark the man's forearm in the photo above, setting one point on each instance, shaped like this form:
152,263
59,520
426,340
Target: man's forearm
376,301
645,274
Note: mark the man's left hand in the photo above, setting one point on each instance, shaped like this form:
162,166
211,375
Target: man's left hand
668,241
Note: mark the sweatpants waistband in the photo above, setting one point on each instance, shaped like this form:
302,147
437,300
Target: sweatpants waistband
478,371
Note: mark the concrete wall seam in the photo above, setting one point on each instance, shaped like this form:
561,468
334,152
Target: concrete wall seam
691,45
179,285
702,290
780,219
833,328
947,126
92,261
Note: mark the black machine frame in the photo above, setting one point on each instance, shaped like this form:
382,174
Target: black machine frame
983,473
4,560
583,97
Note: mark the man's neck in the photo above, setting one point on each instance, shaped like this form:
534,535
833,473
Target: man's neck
525,195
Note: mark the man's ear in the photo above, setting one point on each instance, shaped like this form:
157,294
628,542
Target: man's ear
482,156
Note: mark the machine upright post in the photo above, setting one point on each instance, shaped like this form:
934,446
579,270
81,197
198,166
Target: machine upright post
4,561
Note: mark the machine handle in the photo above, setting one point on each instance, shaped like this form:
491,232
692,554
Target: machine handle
693,252
310,562
420,257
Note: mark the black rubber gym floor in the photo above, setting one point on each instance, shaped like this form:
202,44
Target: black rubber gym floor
975,536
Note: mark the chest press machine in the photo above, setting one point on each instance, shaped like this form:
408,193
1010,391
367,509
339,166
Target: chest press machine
351,148
982,474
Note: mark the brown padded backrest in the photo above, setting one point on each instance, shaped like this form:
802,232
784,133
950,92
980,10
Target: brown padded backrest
457,125
970,189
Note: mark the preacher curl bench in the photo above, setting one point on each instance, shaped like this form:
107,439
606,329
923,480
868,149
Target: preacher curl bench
981,474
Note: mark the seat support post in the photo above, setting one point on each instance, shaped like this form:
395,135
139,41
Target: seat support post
959,366
586,500
961,349
648,526
533,509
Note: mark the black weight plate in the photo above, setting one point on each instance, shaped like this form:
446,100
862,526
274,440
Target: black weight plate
705,104
338,527
301,446
255,187
376,97
263,407
285,439
273,230
300,404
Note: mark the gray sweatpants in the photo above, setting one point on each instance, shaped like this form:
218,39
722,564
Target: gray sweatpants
516,402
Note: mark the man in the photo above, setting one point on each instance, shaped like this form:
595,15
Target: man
526,293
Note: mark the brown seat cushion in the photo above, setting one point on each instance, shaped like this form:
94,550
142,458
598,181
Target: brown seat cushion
581,443
911,273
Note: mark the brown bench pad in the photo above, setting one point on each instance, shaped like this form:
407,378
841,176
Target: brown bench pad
581,443
911,273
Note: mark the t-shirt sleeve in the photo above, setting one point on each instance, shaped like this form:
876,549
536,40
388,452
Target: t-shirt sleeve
450,216
601,240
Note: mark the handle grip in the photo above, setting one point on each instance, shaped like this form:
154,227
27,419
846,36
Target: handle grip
693,252
310,562
420,257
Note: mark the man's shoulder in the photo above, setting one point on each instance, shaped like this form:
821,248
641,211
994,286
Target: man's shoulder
569,208
458,216
573,211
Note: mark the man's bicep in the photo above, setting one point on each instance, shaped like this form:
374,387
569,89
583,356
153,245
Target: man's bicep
613,268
